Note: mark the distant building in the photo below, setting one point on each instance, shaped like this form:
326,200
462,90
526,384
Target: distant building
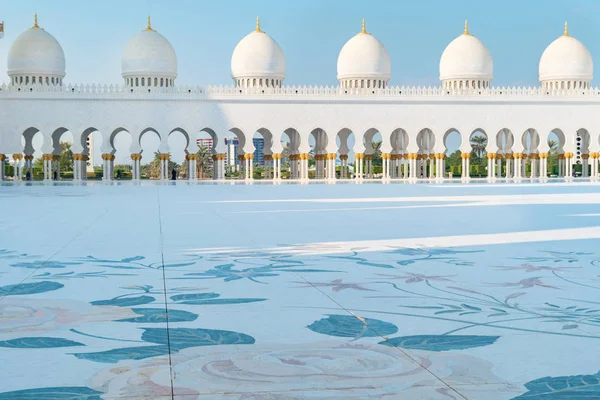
259,155
207,142
231,161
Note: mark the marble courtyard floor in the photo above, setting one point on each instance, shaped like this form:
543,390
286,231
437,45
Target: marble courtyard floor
346,291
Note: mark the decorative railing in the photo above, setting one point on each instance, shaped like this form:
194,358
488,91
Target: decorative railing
209,91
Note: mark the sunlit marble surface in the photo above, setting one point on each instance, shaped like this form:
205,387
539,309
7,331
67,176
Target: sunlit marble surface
200,291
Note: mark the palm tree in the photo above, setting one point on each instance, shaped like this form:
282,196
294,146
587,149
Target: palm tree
285,156
479,142
154,166
66,156
553,144
204,161
377,152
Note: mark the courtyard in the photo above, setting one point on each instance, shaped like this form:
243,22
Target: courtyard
227,291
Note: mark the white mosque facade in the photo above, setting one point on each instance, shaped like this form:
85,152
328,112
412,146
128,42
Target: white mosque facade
413,121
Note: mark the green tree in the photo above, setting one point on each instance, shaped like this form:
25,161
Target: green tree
204,163
479,142
454,162
66,157
377,160
152,169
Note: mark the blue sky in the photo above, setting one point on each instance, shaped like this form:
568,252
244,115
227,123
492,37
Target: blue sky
311,33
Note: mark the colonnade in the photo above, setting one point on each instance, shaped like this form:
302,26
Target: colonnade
411,166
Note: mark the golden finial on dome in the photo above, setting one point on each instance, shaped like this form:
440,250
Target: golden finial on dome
149,27
566,33
364,27
466,32
2,27
35,22
258,25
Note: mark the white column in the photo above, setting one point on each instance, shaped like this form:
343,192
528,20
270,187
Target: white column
490,168
76,167
543,165
569,162
357,165
585,165
47,173
189,167
106,172
17,166
111,167
135,168
278,168
330,171
431,166
413,165
194,166
2,166
167,175
442,165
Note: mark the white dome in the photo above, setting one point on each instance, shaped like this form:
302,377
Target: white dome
36,52
257,55
566,59
466,58
364,57
149,54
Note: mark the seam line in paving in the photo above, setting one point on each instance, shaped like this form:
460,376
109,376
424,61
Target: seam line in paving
357,317
383,337
162,260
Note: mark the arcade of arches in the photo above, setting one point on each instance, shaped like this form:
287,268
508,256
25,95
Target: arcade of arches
397,155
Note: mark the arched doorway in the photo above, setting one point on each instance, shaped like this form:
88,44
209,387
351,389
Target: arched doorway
345,141
290,154
454,161
478,161
399,158
151,166
121,148
425,161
